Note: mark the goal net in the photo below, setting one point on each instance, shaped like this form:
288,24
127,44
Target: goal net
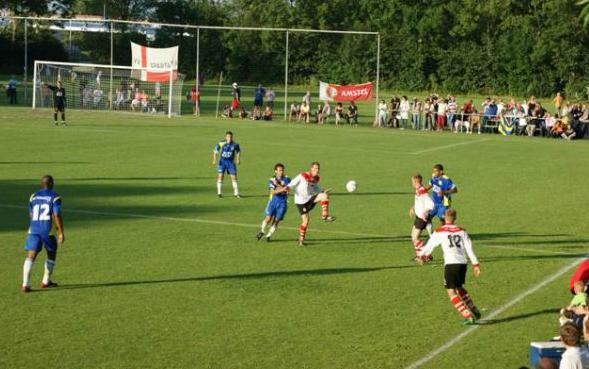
106,87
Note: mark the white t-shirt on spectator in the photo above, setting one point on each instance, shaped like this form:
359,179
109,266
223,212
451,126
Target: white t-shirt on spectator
575,358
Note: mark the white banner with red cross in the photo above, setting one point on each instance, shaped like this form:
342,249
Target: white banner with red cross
155,63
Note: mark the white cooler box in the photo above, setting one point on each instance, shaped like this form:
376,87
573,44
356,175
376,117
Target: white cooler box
550,349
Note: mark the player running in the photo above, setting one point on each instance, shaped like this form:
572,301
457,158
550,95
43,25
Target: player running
422,212
277,205
58,101
229,156
443,188
307,194
45,215
456,246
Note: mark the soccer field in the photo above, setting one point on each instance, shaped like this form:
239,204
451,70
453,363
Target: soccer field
157,272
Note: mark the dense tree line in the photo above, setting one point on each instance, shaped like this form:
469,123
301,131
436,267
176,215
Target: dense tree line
518,47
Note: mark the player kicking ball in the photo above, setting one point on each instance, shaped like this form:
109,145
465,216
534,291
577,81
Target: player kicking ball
45,215
229,154
307,193
58,101
456,246
277,205
421,210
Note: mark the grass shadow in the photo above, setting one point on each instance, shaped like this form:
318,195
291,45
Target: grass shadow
519,316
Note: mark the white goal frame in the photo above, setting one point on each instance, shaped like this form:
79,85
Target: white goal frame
105,66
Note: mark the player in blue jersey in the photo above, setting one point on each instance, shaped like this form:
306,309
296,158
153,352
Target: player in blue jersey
229,154
45,215
276,208
442,190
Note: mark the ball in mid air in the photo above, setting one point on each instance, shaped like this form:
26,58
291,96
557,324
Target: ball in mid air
351,186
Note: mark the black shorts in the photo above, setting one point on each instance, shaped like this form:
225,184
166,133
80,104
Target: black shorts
60,107
308,206
454,275
420,223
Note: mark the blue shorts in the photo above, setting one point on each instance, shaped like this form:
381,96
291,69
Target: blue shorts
227,166
439,211
35,243
276,209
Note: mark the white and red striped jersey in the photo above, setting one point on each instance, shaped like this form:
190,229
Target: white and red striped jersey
423,203
455,244
305,186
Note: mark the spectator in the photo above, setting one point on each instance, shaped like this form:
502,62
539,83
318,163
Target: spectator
242,113
227,112
557,103
404,109
295,110
235,96
267,113
546,363
256,113
428,108
522,121
11,90
87,96
394,112
442,108
270,96
120,99
325,112
318,113
144,102
382,114
136,100
463,119
305,112
307,99
195,100
574,356
548,123
451,111
339,113
259,94
352,113
489,112
97,96
416,113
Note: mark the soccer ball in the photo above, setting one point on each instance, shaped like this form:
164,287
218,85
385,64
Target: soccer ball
351,186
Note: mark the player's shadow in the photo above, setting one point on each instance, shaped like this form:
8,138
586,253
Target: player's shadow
512,318
499,235
347,240
229,277
493,259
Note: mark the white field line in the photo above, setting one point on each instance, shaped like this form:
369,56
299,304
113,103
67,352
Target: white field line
530,249
194,220
247,225
519,297
449,146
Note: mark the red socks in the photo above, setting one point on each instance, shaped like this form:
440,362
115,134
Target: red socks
459,305
302,232
418,245
324,209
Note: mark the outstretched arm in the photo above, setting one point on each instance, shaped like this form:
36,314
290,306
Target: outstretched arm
433,242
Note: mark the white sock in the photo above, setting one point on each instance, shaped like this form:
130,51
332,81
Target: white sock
49,265
428,227
271,231
235,188
219,187
264,224
26,272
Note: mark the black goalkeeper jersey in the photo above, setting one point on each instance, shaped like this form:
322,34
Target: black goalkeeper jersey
58,95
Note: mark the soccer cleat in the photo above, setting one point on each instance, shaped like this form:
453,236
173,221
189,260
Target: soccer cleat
469,321
301,243
238,196
476,313
329,219
56,123
63,123
48,285
25,289
260,235
220,196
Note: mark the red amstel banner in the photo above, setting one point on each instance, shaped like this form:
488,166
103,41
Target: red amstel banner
332,92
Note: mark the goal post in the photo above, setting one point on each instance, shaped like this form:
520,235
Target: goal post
105,87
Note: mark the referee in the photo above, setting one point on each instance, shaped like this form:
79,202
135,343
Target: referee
58,101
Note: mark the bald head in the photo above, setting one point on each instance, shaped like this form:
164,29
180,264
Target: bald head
47,182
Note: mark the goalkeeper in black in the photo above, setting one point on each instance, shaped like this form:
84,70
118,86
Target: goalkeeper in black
58,101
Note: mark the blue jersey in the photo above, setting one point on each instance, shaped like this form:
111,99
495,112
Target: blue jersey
442,183
42,206
275,183
227,151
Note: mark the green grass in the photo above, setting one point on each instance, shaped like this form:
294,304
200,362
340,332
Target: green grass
150,281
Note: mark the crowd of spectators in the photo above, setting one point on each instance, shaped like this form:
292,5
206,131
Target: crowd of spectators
528,117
